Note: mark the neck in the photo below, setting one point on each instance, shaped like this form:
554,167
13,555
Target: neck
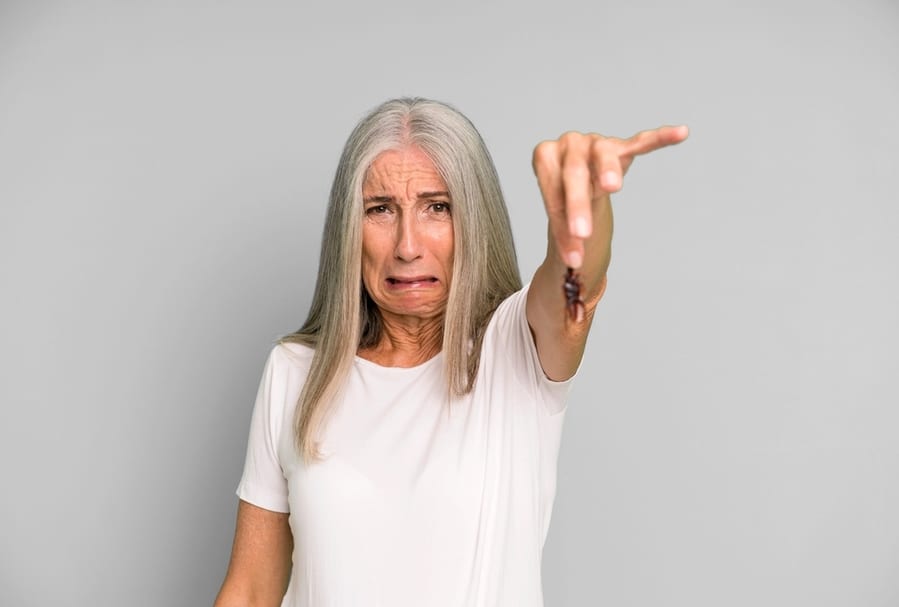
406,342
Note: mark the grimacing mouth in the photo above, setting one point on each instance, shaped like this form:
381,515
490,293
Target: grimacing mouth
405,280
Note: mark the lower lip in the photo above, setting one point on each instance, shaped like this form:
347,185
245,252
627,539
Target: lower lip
415,284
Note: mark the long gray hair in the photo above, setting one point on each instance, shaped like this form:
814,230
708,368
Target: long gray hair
343,317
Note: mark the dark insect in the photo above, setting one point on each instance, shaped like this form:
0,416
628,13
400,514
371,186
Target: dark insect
573,300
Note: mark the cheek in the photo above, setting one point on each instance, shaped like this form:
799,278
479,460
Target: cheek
372,242
444,248
450,243
370,256
448,253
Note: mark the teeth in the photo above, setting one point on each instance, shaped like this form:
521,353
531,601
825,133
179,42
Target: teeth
395,281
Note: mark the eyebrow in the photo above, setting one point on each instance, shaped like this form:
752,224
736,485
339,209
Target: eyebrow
385,198
433,194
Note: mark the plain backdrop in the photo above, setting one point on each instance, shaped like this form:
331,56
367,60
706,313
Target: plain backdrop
733,436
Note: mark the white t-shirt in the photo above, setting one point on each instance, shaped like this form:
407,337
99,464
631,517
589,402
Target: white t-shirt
416,505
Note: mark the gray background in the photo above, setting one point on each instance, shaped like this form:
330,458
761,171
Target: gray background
732,438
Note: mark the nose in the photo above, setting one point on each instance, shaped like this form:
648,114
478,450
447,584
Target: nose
408,241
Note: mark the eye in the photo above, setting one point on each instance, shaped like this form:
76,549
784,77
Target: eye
378,209
440,207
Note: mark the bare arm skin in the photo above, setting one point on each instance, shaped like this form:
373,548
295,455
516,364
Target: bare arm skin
260,559
577,173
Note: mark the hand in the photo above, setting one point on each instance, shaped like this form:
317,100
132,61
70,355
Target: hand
578,172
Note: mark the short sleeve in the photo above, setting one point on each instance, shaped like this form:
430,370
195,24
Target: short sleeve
263,483
511,337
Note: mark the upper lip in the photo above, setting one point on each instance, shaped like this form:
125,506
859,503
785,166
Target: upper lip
420,278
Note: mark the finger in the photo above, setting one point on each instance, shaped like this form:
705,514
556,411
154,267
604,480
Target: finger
577,183
606,162
645,142
548,168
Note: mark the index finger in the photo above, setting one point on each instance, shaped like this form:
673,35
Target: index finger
654,139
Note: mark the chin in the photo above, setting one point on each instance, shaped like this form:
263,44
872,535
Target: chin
421,310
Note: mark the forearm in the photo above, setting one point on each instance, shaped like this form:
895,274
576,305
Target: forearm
560,340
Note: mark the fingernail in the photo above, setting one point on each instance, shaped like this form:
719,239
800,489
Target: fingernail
611,178
575,260
581,227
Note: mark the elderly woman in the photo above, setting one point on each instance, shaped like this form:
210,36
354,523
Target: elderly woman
404,442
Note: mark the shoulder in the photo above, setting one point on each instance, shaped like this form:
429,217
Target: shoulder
288,365
290,353
507,334
510,312
509,342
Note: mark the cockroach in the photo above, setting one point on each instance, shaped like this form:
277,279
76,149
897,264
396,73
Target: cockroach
574,302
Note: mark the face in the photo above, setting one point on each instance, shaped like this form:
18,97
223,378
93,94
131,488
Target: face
407,235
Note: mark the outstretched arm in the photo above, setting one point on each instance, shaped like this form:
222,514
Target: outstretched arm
577,173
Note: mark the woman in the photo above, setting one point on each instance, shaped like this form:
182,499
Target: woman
404,441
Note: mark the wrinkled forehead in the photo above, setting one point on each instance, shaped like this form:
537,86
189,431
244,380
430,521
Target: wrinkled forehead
398,170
